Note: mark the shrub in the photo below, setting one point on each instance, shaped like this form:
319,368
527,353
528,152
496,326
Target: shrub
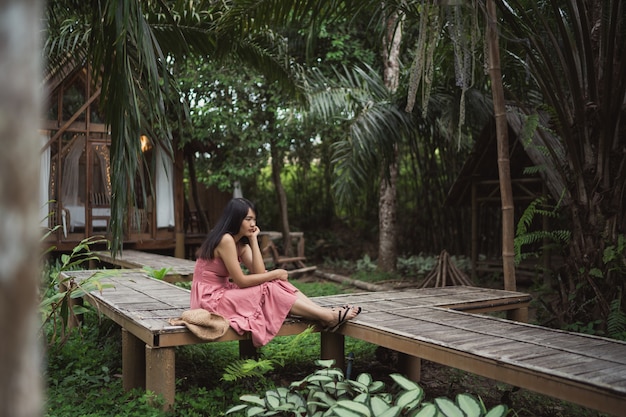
326,392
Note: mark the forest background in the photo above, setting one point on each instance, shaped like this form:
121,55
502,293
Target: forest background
356,117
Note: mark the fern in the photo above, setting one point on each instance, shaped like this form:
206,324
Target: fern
616,321
524,237
246,368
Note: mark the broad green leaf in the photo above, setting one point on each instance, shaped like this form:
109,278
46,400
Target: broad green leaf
254,411
272,401
343,412
404,382
410,399
358,408
448,408
362,398
319,378
376,386
498,411
254,399
325,363
469,405
237,408
358,386
428,410
323,396
390,412
365,379
378,406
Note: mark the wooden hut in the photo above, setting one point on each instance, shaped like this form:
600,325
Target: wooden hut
533,174
75,194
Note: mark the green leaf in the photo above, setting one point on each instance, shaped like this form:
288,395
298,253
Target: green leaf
323,396
362,398
343,412
325,363
469,405
428,410
391,412
237,408
254,399
378,406
319,378
404,382
272,401
254,411
500,410
365,379
376,386
595,272
448,408
410,399
358,408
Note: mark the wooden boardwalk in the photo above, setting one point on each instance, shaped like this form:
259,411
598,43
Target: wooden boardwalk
180,269
436,324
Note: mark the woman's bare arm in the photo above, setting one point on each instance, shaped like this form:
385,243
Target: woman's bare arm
227,251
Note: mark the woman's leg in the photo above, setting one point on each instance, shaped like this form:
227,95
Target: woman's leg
328,317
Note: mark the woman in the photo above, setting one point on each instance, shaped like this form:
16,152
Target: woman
259,301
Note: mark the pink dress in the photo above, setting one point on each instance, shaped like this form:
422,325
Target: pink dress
259,310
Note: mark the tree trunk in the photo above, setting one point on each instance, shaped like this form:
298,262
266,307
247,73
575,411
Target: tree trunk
20,80
387,201
281,197
203,221
499,110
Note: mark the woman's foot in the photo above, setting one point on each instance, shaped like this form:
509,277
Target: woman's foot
341,315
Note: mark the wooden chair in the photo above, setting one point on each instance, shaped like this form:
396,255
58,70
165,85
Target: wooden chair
100,208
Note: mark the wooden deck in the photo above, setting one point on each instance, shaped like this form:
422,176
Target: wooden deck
436,324
180,269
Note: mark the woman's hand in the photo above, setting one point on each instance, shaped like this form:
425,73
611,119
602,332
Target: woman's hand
281,274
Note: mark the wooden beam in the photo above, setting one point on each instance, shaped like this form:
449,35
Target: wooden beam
74,117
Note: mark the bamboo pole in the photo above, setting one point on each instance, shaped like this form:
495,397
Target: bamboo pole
504,170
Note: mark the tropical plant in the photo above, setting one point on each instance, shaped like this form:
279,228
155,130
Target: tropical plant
573,51
525,236
59,304
289,352
327,392
157,273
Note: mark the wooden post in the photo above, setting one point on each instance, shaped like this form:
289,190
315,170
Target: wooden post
333,348
133,362
410,365
179,201
161,373
518,314
247,349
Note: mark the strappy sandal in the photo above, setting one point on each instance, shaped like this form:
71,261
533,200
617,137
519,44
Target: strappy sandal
342,317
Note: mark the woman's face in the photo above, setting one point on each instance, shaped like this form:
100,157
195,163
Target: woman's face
248,225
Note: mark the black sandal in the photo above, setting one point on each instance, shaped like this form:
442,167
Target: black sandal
341,318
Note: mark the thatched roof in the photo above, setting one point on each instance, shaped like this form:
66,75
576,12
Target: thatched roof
535,162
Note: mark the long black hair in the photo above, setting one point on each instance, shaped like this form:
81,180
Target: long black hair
229,222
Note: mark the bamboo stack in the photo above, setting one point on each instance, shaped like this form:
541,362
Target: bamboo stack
445,273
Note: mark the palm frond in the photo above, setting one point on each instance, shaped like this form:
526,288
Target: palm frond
375,120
